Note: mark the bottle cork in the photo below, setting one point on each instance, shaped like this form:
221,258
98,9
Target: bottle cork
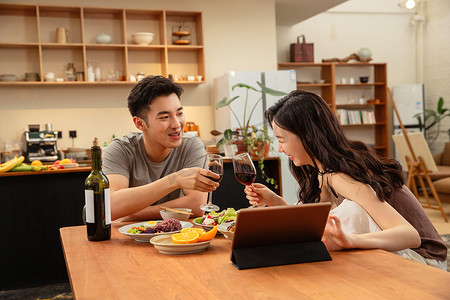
95,142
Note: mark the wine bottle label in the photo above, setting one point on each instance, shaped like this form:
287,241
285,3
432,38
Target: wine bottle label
91,198
90,212
107,207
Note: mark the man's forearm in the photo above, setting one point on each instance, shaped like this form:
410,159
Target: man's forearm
127,201
192,201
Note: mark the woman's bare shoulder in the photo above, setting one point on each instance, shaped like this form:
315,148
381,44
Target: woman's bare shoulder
348,187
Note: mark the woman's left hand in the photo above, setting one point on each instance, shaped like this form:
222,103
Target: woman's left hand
334,237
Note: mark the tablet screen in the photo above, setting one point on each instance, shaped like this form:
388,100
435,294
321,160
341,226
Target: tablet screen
280,225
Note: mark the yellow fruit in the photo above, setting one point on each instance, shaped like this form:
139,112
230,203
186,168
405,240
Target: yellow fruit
5,167
208,235
65,161
185,238
200,231
36,163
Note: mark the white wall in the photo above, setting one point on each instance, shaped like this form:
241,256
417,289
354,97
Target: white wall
235,37
437,62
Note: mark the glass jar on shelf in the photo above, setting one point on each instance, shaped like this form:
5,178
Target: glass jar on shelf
140,75
90,74
70,72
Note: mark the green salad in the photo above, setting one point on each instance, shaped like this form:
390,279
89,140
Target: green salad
216,218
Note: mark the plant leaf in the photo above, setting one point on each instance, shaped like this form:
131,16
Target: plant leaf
244,86
225,102
215,132
270,91
228,134
440,104
419,119
221,142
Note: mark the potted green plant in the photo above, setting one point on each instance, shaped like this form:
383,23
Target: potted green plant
244,124
258,142
254,140
226,142
433,118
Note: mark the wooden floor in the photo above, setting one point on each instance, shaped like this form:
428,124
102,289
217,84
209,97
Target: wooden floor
436,218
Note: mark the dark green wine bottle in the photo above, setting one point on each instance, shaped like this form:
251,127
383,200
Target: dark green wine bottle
98,204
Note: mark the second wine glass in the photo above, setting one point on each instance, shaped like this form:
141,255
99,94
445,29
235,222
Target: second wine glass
244,169
214,163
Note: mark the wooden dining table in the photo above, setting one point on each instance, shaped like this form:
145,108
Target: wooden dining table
121,268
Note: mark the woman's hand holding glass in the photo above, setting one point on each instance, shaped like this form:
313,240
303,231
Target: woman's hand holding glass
245,172
260,195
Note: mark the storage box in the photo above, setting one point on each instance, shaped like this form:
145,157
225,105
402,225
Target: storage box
302,52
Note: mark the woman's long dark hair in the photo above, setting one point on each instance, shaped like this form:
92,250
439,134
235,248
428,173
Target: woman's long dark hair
308,116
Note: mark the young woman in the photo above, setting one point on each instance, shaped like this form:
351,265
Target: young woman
372,208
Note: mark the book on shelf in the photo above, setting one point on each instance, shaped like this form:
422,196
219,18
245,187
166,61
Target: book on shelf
356,117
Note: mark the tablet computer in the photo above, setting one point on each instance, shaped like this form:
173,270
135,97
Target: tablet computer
278,235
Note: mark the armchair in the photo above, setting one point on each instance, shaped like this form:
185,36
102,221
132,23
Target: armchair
441,178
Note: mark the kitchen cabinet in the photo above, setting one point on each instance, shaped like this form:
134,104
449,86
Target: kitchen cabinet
339,85
28,43
34,206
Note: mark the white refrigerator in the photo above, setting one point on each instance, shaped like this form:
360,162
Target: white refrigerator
409,100
284,81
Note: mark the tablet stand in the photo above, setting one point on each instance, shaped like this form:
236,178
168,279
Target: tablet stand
277,255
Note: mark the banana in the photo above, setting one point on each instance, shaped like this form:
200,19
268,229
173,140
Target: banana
23,168
11,164
5,167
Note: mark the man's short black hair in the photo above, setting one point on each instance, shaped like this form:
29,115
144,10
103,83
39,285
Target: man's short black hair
147,89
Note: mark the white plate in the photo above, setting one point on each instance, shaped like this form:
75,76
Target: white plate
222,228
145,237
165,245
206,227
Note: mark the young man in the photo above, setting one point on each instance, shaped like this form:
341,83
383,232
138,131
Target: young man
160,164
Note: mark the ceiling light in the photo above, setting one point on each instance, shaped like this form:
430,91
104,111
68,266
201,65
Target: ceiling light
410,4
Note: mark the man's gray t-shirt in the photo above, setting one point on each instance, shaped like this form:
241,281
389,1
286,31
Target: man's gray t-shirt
126,156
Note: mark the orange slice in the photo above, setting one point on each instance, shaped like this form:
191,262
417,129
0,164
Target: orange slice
65,161
36,163
200,231
208,235
185,237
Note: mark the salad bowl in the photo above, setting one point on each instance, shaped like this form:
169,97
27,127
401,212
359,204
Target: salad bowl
208,221
223,229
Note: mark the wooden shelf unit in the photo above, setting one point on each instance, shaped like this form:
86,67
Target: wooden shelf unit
346,96
30,45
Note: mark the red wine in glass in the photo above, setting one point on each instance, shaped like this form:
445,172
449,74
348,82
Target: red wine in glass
244,170
218,169
245,178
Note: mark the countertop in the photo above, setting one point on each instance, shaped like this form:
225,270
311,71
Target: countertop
68,170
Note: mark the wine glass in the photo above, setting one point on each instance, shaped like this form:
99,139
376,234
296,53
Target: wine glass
244,169
214,163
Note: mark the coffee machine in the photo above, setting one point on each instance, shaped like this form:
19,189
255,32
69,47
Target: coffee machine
41,144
